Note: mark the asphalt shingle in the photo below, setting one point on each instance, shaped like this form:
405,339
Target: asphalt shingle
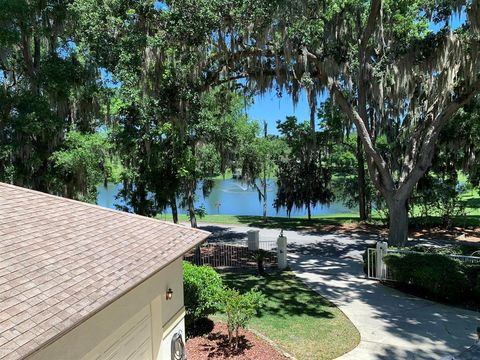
63,260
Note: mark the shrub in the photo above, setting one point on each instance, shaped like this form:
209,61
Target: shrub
473,274
203,289
437,275
239,309
260,255
459,249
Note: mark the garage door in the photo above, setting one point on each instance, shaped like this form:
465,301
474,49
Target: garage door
132,341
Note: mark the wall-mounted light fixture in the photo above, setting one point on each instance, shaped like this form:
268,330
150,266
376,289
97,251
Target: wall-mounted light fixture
169,294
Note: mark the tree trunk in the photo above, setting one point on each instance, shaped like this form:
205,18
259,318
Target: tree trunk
362,208
173,205
191,212
264,217
398,224
191,207
230,337
309,211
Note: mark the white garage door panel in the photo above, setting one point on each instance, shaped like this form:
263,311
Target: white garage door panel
132,341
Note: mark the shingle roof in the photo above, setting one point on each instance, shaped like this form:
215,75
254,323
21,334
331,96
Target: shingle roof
62,260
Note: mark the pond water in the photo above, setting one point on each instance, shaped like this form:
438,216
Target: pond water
228,197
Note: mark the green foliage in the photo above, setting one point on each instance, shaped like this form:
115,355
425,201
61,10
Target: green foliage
158,78
260,255
257,156
458,147
461,249
47,88
436,275
303,178
82,164
203,291
473,275
239,309
437,196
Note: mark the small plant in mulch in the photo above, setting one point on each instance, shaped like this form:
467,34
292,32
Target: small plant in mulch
216,346
239,309
260,258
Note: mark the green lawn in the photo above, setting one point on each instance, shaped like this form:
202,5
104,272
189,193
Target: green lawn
296,318
293,223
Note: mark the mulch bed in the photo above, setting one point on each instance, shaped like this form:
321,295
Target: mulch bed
215,346
435,233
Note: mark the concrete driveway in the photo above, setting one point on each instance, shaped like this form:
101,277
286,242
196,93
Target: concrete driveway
392,324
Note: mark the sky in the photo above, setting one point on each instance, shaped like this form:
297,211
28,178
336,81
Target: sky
270,108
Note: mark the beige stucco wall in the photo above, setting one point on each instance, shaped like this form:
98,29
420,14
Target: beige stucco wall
148,296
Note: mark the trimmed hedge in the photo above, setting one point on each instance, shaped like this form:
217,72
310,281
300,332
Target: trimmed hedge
463,249
436,275
203,289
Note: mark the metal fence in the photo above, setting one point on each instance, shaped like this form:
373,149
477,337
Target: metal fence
373,263
233,255
268,245
467,259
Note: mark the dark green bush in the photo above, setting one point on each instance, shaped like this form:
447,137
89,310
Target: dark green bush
462,249
437,275
203,289
473,274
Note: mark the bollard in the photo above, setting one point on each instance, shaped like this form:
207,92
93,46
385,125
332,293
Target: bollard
381,269
253,240
282,251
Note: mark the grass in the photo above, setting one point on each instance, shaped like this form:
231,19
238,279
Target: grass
228,175
296,318
277,222
471,220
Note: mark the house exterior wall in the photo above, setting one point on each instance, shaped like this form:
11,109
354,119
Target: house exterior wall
94,335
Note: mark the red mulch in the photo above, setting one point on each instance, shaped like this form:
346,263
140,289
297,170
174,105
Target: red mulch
215,346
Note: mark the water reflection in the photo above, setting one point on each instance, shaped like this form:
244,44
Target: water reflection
230,197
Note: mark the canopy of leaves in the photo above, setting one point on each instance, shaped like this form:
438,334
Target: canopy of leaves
303,178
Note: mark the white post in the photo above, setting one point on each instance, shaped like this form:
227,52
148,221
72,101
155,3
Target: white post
253,240
381,269
282,251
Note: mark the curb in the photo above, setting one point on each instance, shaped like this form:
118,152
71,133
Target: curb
273,344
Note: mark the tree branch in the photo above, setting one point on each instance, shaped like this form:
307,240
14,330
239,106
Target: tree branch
425,153
387,183
375,11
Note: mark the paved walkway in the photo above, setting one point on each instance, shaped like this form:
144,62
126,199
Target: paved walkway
392,324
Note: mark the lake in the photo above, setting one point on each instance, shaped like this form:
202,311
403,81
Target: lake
229,197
